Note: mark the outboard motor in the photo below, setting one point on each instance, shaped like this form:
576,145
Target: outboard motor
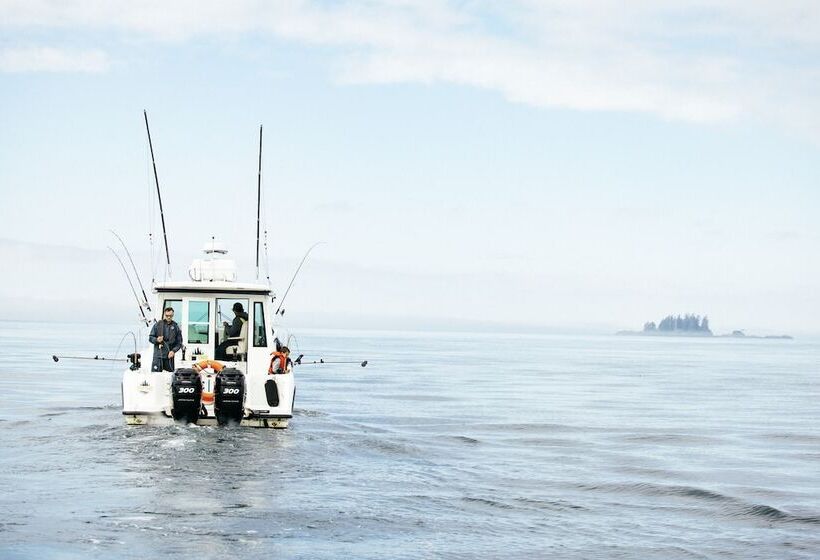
229,393
186,389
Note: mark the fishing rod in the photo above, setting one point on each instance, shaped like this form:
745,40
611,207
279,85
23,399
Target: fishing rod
267,260
282,301
58,358
130,283
136,273
258,200
299,361
133,358
159,195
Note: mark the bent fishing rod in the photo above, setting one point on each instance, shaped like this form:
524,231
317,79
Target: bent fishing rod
130,283
133,266
298,268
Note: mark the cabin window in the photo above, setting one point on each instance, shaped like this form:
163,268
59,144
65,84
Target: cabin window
198,322
227,314
260,337
176,305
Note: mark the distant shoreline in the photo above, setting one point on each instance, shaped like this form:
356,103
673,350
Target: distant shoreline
673,334
701,334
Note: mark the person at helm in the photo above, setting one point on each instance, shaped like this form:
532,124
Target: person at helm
240,316
231,330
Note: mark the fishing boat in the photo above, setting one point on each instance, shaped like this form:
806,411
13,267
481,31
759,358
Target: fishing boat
218,376
242,389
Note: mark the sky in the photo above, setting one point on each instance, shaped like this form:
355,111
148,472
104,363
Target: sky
566,165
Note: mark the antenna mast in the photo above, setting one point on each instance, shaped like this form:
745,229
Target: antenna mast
258,200
159,195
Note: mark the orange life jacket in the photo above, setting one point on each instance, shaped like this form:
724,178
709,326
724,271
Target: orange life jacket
283,362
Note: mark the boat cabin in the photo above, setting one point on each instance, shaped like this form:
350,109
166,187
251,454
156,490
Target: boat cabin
212,298
202,309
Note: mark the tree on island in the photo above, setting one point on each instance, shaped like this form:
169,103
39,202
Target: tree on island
686,323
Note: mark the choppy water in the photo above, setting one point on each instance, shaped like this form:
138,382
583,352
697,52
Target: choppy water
445,446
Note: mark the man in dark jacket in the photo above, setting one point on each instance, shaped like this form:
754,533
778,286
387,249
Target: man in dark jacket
167,340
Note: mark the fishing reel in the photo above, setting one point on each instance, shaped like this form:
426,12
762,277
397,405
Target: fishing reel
135,361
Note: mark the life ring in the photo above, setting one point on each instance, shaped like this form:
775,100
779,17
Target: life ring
208,396
214,365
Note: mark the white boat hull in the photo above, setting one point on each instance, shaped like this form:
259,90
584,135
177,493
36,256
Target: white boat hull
162,420
148,401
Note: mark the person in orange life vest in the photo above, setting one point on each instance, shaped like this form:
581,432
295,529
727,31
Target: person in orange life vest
281,362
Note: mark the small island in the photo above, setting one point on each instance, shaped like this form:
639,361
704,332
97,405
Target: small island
741,334
689,325
671,325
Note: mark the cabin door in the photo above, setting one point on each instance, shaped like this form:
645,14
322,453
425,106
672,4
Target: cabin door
198,329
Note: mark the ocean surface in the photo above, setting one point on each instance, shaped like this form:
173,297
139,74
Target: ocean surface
447,445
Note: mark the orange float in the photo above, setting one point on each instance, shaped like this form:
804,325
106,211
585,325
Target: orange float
208,396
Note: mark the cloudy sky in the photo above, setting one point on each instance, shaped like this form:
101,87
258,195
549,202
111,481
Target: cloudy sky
579,164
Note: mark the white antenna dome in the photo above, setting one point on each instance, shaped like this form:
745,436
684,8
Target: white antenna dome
214,268
214,246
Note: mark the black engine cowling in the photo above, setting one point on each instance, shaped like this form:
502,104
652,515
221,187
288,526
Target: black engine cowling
186,389
229,396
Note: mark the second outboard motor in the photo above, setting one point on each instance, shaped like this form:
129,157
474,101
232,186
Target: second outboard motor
229,396
186,389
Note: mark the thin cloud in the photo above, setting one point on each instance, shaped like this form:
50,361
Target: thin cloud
338,206
687,60
50,59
